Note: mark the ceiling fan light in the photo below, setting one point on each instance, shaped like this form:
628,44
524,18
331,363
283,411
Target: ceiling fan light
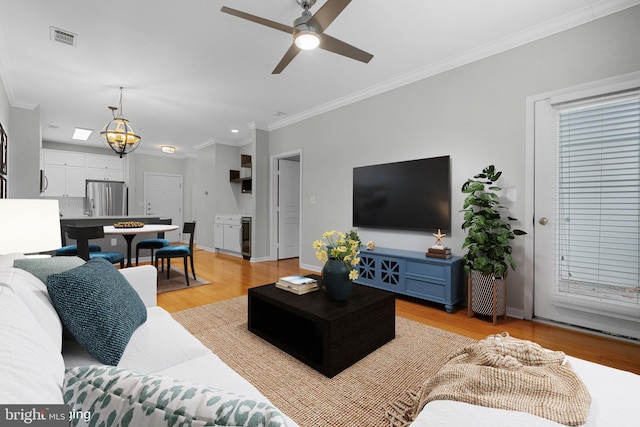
307,40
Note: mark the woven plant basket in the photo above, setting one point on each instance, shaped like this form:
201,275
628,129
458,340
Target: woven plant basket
487,295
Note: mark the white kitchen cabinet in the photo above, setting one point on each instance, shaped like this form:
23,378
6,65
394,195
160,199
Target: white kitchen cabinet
65,174
228,233
67,158
218,235
65,171
55,180
233,237
106,168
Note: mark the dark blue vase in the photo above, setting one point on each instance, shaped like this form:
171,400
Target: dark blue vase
335,279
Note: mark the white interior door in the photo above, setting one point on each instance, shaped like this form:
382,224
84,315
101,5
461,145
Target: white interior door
551,299
163,198
288,209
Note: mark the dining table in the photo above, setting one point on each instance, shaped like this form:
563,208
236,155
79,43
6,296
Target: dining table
129,233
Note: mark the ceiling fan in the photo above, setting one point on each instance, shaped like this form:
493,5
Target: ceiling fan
308,31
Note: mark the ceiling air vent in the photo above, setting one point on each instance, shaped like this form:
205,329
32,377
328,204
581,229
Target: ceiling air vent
62,36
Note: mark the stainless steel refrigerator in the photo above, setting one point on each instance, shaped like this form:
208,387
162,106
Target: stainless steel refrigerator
106,198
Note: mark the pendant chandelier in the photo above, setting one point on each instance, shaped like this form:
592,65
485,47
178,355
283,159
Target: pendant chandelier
118,134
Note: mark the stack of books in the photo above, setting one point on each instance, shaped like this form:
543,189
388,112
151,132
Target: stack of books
435,252
297,284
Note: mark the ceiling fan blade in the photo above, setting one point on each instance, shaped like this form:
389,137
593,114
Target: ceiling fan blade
286,59
345,49
257,19
329,11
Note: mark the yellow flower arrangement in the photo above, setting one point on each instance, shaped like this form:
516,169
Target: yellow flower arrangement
340,246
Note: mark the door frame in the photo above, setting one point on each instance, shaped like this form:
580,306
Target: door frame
594,88
273,201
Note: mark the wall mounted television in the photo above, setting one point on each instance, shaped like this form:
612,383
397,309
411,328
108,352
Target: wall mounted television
411,195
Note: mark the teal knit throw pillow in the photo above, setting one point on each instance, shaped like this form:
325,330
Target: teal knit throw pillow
98,306
43,267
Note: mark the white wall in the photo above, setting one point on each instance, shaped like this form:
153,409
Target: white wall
475,114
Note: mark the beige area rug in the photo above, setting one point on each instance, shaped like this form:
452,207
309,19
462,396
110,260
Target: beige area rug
176,280
356,397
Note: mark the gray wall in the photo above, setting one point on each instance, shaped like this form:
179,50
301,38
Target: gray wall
5,109
475,114
103,150
24,153
261,208
141,163
245,201
213,194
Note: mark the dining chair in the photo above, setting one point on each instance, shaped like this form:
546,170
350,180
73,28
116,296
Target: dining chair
72,250
179,251
82,235
153,244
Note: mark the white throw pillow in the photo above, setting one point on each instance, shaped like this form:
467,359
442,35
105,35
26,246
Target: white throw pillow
113,396
34,294
7,259
31,368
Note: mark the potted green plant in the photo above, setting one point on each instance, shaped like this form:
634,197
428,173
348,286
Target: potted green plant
488,244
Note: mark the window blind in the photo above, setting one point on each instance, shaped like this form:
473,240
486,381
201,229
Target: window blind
599,206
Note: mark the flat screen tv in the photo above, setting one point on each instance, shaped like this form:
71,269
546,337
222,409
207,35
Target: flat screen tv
411,195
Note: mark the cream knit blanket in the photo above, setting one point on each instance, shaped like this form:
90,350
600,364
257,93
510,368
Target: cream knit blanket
508,373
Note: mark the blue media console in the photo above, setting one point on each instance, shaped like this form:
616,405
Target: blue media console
413,274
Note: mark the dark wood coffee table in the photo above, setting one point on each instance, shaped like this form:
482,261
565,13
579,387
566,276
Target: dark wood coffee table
328,336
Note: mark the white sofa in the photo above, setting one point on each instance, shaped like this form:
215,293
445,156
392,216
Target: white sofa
33,367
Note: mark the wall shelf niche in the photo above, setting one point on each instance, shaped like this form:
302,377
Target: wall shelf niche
245,181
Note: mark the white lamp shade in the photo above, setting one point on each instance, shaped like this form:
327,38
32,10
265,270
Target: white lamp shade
29,226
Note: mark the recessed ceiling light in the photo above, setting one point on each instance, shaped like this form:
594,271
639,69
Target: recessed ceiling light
234,131
81,134
168,149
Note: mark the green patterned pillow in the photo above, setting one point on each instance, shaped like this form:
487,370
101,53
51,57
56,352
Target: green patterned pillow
119,397
99,308
43,267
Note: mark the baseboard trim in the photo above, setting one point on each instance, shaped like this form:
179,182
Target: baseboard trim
584,330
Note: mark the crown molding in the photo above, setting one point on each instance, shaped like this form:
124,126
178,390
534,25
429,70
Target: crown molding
204,145
587,14
6,83
258,126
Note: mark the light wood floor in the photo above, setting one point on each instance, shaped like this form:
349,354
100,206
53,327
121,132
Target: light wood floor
232,276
